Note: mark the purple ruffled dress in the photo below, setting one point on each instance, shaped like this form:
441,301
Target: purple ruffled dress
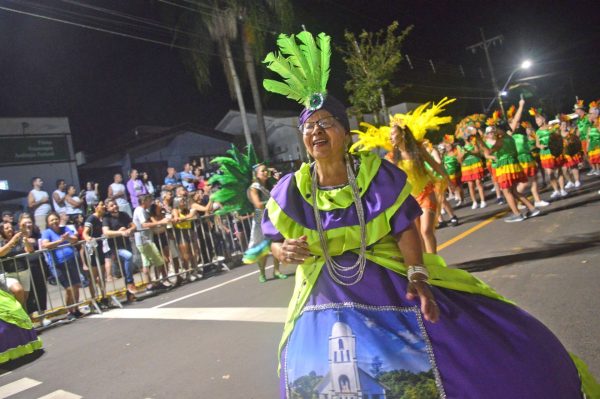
368,341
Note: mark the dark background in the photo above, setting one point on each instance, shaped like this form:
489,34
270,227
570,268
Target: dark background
107,85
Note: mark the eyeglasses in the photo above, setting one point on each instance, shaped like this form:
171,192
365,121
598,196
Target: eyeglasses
325,123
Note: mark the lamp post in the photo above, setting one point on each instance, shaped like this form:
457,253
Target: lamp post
524,65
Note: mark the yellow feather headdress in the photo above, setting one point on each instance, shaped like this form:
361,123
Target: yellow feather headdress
374,137
423,118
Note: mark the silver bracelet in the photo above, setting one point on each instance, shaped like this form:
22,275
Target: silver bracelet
417,269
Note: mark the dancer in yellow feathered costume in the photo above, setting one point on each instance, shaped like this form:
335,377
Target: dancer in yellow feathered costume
403,141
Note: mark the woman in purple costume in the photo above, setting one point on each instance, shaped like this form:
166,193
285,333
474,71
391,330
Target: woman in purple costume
371,316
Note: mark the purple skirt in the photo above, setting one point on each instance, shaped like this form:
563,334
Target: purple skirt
369,341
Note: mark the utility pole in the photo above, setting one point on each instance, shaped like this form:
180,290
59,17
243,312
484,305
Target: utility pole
485,45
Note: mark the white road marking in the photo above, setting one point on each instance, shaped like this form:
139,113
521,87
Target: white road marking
260,315
214,287
4,374
17,386
60,394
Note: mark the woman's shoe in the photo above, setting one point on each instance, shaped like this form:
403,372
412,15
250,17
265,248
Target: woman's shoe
280,276
262,278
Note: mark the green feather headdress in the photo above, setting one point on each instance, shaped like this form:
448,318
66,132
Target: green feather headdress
304,68
235,179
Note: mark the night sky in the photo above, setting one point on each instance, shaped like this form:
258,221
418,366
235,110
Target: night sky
107,85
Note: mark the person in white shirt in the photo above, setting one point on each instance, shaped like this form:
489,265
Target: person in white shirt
39,202
92,196
73,203
58,197
118,192
144,241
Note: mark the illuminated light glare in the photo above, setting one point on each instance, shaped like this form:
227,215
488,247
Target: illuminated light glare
526,64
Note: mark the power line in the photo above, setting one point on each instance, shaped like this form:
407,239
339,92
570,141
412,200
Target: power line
122,34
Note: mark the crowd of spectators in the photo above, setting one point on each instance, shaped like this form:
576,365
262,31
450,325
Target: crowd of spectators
103,236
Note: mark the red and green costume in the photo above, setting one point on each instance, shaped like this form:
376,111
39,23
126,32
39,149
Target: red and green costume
471,168
583,125
508,168
549,161
524,156
594,145
452,167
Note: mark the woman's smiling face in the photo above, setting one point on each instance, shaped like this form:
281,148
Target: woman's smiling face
323,143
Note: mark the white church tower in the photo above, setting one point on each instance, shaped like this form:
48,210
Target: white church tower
343,365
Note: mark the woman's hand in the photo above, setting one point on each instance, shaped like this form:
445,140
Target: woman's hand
429,306
294,250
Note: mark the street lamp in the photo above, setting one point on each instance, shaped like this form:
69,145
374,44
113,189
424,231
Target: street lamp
524,65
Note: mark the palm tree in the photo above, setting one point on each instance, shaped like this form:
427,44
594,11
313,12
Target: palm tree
220,21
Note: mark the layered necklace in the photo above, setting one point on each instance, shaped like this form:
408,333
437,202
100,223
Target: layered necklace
354,273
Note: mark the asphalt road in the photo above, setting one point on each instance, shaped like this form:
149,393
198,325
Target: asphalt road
218,337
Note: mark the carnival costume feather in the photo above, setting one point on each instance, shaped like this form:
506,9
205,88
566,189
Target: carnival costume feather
372,138
422,118
235,177
305,70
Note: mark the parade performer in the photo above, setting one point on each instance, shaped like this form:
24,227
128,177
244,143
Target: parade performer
243,189
17,335
370,313
524,156
452,167
572,152
594,138
490,164
471,165
405,150
583,126
535,151
551,162
441,185
508,169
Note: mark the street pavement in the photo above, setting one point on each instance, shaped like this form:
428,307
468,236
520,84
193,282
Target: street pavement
218,337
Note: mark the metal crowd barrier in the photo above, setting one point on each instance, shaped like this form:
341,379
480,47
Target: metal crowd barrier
213,242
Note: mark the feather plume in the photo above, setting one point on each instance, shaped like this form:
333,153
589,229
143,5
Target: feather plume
303,67
422,118
234,178
475,120
372,138
511,112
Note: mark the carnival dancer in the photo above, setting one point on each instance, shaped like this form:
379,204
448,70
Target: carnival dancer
535,152
440,186
452,167
594,138
572,151
17,335
469,156
491,165
244,184
551,163
508,169
583,126
364,289
524,156
259,246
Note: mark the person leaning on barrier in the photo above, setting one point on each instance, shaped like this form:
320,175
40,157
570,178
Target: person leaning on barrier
183,220
118,226
99,260
57,239
38,293
14,273
151,256
164,239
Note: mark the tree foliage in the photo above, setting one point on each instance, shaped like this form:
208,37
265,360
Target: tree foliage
304,387
371,61
403,384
